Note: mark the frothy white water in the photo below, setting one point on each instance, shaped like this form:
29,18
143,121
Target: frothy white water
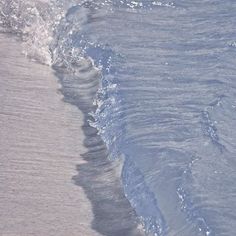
25,19
34,22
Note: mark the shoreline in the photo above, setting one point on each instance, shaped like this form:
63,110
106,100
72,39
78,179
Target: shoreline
98,176
54,169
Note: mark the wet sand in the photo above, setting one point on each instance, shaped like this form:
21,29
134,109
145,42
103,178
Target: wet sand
55,173
40,145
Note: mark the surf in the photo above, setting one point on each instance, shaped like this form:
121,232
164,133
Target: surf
159,93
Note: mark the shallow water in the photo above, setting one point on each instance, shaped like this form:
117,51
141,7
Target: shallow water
165,106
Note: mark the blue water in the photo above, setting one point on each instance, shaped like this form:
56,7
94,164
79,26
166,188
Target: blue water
166,105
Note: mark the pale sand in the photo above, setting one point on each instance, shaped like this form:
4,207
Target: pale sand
40,146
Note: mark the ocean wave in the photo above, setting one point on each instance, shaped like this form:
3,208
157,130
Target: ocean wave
164,100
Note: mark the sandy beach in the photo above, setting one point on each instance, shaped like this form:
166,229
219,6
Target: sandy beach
116,118
40,144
